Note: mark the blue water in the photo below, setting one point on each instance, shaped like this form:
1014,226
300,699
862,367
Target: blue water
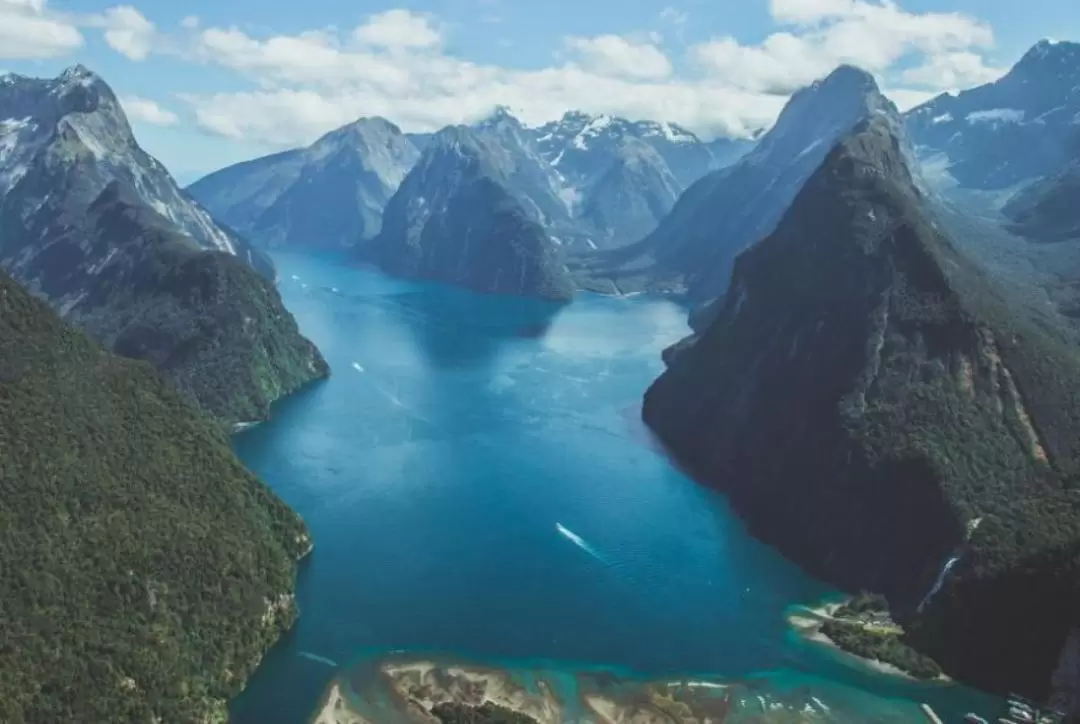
477,480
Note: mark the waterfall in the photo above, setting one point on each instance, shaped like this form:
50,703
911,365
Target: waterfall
939,582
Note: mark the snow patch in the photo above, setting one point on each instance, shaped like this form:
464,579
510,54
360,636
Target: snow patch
1004,115
943,118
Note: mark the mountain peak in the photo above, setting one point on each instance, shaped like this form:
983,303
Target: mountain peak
849,77
1047,54
501,115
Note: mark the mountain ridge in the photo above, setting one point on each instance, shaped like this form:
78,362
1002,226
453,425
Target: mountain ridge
874,406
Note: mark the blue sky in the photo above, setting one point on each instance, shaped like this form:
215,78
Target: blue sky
210,82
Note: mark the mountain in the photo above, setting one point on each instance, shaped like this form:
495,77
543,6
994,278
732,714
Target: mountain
74,124
695,245
97,227
526,171
626,175
329,194
880,409
1013,130
145,571
1049,209
458,217
632,195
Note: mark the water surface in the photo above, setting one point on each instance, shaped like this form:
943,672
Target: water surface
477,481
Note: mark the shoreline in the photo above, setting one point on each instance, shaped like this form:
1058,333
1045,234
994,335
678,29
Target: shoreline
806,622
335,708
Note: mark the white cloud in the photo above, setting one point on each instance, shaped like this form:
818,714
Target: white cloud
147,111
620,57
190,22
399,29
822,34
952,70
396,64
31,30
127,31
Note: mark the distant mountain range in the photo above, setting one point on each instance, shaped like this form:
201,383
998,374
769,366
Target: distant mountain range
97,227
330,194
693,248
1020,128
599,181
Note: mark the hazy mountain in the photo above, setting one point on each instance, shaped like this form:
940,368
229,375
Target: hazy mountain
1016,129
459,217
96,226
876,406
329,194
1049,209
694,247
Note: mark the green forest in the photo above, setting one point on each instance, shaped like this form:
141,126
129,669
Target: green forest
144,571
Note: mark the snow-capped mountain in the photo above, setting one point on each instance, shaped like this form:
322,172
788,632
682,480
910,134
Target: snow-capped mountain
75,122
694,247
459,217
329,194
1016,129
97,227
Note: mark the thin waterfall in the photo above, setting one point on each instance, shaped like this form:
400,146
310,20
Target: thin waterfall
939,582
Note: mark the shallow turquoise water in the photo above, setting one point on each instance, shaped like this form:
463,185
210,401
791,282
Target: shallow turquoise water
477,481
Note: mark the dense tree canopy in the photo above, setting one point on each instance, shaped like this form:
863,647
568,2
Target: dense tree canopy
143,571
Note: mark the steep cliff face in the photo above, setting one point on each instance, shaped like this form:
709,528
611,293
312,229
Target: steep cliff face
456,219
330,194
98,228
72,127
875,407
693,248
145,571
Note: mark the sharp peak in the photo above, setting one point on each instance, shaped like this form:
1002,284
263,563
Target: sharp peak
848,75
500,113
1047,48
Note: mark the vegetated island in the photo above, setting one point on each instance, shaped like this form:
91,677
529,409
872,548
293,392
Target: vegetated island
862,626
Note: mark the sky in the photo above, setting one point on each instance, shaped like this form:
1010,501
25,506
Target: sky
207,83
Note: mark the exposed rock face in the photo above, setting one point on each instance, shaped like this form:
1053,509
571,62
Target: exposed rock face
876,407
624,176
457,218
694,247
330,194
631,196
99,229
1013,130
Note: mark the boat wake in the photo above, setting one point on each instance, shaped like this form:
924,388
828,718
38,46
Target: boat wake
357,367
319,659
578,541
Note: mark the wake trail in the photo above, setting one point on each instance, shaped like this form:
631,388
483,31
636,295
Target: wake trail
579,542
318,659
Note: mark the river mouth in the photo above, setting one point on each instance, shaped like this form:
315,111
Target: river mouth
477,481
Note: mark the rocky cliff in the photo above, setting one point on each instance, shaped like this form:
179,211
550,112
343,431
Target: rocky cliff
457,218
883,412
97,227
